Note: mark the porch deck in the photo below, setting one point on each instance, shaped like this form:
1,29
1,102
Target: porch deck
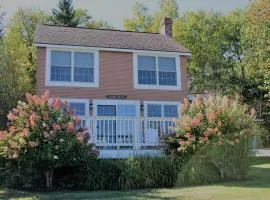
118,137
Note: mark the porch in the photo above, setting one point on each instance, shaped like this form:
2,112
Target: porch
118,137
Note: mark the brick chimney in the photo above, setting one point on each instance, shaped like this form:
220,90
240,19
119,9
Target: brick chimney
166,27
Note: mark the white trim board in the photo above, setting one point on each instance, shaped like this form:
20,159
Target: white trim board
111,49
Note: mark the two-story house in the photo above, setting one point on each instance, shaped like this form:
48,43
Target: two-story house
127,87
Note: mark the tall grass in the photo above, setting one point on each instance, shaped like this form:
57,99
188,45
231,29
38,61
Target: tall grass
120,174
217,163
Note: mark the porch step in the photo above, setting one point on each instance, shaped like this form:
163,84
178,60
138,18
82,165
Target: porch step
125,153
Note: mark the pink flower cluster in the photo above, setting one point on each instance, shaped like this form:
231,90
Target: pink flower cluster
39,121
206,121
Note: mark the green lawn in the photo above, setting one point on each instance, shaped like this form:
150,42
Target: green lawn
257,188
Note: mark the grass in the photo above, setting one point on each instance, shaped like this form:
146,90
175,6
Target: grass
257,187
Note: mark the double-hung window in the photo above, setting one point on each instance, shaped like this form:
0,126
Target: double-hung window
157,72
72,68
161,109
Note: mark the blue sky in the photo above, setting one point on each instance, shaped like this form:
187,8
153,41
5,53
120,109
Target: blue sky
114,11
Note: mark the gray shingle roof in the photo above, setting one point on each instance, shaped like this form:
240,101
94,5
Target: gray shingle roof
60,35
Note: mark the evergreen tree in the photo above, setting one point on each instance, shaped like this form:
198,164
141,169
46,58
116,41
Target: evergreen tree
65,14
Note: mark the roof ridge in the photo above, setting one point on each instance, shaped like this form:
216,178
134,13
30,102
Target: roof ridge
115,30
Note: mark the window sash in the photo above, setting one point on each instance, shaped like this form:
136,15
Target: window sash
60,73
170,66
147,63
154,113
163,110
82,74
147,77
83,60
78,108
167,78
61,58
170,110
126,110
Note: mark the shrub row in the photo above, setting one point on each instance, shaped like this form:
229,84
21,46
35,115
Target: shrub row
101,174
120,174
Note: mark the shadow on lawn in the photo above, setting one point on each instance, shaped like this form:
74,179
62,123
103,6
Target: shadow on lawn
135,194
14,194
259,176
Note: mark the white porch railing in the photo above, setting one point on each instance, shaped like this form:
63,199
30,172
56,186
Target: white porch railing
128,132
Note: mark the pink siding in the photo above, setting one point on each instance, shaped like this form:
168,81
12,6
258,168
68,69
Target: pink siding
115,79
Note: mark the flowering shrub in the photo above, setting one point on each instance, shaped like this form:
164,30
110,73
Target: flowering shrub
44,135
216,120
214,132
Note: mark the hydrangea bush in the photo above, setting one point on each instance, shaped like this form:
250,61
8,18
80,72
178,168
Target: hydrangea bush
218,128
44,134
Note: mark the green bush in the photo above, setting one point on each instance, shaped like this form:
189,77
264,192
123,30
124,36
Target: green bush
213,164
198,170
119,174
214,140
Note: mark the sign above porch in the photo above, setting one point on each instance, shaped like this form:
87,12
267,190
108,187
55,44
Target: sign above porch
116,96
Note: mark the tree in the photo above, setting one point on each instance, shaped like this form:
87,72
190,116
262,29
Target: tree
81,15
169,8
87,21
144,22
13,83
217,48
65,14
141,21
68,16
99,24
199,33
256,38
22,28
18,60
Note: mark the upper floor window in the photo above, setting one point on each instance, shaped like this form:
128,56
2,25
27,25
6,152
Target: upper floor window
72,68
157,72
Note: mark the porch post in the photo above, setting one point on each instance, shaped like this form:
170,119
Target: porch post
93,122
137,133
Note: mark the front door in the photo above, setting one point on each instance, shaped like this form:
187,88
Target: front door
115,124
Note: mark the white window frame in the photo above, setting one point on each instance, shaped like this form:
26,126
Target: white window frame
162,103
157,86
71,83
85,101
97,102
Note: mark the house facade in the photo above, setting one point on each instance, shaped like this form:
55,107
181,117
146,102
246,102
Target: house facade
127,87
